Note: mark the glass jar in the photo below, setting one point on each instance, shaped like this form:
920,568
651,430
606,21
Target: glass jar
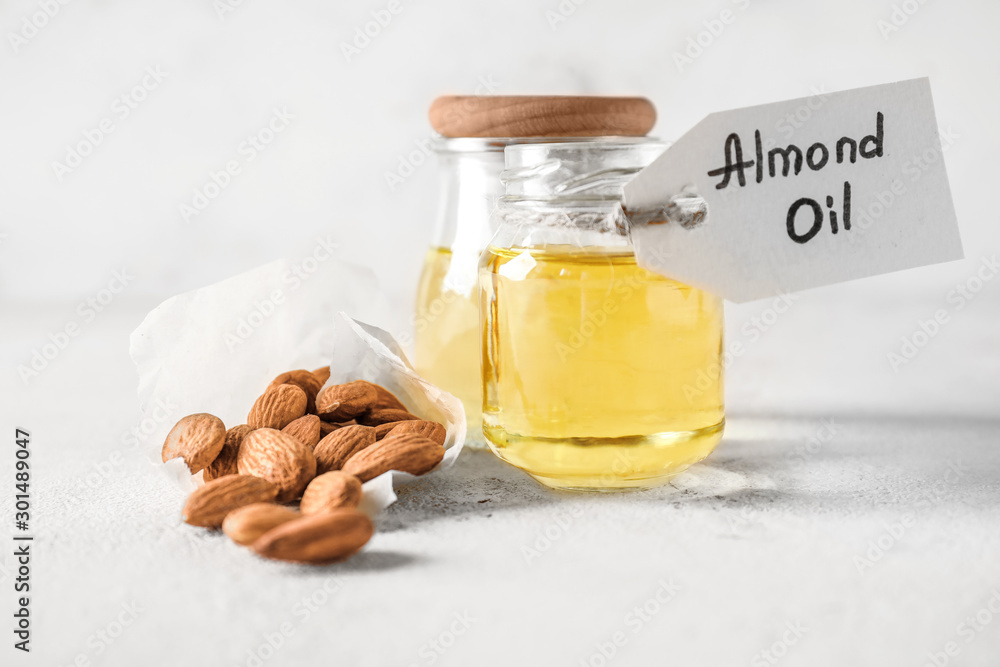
478,128
446,327
593,369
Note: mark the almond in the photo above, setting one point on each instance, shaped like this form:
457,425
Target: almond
246,524
384,416
326,428
341,402
410,453
386,399
382,430
329,491
277,407
432,430
322,374
317,538
333,450
225,463
305,381
278,458
305,429
197,439
210,504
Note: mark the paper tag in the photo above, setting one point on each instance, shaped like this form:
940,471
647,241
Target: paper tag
803,193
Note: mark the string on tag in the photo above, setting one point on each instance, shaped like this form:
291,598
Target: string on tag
687,209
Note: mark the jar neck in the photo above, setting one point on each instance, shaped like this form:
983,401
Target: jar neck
576,186
470,188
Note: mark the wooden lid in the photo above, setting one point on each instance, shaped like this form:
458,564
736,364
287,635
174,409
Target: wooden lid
541,116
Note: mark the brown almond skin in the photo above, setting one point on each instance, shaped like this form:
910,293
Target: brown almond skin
343,402
384,416
209,504
278,407
386,399
317,539
382,430
410,453
326,428
329,491
322,374
334,450
225,463
305,429
428,429
304,380
246,524
278,458
197,438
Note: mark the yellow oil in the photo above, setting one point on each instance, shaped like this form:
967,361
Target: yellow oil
446,329
597,374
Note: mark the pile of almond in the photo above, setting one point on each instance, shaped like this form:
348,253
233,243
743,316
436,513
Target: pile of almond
307,444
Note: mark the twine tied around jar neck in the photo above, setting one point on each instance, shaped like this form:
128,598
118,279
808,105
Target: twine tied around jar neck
687,209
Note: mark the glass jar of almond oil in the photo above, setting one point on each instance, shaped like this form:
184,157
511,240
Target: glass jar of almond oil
593,368
474,130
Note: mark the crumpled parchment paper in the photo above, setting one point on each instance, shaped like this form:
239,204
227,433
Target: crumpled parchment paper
217,348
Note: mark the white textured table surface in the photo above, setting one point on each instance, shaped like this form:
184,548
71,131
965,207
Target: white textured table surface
877,543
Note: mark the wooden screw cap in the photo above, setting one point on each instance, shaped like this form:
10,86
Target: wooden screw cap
541,116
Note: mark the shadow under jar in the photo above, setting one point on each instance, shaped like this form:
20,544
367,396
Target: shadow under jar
597,374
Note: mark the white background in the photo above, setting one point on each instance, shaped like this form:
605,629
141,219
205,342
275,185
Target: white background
799,521
354,122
